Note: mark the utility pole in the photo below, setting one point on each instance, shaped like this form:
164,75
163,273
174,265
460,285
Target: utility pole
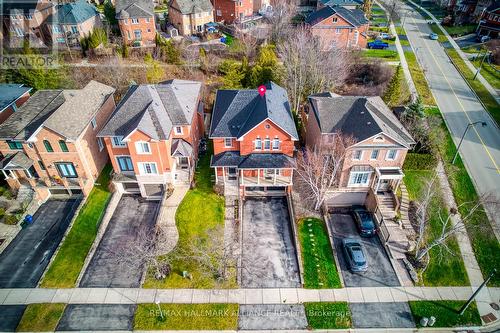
480,65
466,305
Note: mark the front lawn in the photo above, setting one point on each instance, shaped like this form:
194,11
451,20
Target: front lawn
217,317
328,315
445,312
200,211
64,270
490,72
41,317
460,30
419,79
387,55
320,270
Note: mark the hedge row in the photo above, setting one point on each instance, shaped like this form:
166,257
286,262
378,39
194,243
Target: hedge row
416,161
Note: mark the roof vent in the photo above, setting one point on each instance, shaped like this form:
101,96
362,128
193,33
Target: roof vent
369,123
362,112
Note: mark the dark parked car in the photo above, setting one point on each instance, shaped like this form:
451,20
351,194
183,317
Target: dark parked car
354,255
378,44
364,221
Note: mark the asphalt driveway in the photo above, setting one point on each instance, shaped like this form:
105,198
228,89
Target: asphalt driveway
97,317
380,272
381,315
10,316
24,260
132,216
269,258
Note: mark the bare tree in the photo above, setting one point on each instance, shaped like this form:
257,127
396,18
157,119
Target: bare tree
281,18
318,170
248,43
309,67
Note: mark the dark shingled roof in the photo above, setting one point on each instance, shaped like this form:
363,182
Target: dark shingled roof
16,161
342,2
192,6
252,161
9,93
134,8
359,116
73,13
154,109
238,111
356,17
181,147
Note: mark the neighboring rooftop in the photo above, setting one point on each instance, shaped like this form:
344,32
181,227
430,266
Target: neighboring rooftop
73,13
134,8
238,111
193,6
154,109
342,2
17,7
355,17
359,116
9,93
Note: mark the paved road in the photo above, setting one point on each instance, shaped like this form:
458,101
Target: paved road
481,147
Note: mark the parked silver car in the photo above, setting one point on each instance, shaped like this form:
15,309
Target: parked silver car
354,254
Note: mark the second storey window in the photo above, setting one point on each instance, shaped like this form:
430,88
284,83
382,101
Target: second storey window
391,154
135,21
228,142
148,168
337,31
41,165
374,154
356,155
100,143
267,144
125,163
178,130
258,144
15,145
276,144
66,170
117,142
94,123
142,148
334,20
64,146
48,146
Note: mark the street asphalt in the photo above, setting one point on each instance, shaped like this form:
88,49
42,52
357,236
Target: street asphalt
10,316
459,106
26,257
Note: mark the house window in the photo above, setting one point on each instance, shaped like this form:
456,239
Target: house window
94,123
15,145
66,170
276,144
267,144
258,144
228,142
100,143
128,34
137,34
125,163
334,20
74,29
374,155
357,154
56,29
178,130
41,165
142,148
147,20
148,168
48,146
28,16
64,146
218,12
391,154
135,21
337,31
117,142
359,178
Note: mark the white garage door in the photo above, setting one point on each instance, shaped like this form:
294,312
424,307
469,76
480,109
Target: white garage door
345,199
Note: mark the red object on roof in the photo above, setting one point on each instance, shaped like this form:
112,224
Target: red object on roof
262,90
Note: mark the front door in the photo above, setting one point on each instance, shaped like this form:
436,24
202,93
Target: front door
384,185
231,173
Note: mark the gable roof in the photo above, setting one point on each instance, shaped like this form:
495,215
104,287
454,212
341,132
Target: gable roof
9,93
342,2
181,147
134,8
73,13
154,109
192,6
356,17
359,116
238,111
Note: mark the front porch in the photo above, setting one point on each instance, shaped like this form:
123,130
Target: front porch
253,177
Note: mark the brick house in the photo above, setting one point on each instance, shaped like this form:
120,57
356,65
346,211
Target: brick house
254,139
490,23
153,136
339,26
374,163
71,22
232,11
50,143
136,20
12,96
190,16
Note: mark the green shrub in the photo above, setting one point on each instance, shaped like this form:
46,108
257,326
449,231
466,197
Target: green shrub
2,213
416,161
11,220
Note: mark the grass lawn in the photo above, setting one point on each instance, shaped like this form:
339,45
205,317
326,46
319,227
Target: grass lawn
41,317
419,78
64,270
320,270
490,72
186,317
328,315
200,210
446,270
387,55
461,30
446,313
491,104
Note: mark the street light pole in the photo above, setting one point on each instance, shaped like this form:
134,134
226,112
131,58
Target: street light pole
466,305
483,124
480,65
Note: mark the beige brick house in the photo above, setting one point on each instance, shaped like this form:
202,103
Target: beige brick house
190,16
50,143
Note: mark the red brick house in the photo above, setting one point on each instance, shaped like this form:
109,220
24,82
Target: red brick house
490,23
50,143
339,26
12,96
232,11
136,20
254,139
153,136
374,163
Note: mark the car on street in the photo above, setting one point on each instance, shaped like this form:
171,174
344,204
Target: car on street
484,39
433,36
364,221
378,44
354,255
385,35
